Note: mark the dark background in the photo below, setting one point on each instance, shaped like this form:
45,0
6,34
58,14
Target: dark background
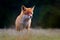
46,12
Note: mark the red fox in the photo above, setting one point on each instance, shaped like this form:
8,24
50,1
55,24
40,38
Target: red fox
24,19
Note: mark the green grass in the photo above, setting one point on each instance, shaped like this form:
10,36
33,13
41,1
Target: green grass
5,36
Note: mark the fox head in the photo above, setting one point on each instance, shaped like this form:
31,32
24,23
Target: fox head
27,11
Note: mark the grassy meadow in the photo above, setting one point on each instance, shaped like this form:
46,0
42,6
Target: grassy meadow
34,34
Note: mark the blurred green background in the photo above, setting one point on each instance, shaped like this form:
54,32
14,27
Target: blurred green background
46,12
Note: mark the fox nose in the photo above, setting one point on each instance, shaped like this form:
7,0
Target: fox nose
30,16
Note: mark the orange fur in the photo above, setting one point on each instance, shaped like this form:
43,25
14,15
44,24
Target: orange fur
18,23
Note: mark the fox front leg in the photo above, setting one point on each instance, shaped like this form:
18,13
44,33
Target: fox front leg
29,25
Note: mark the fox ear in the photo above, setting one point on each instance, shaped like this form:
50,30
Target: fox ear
33,7
23,8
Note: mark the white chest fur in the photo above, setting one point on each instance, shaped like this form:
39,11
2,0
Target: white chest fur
24,17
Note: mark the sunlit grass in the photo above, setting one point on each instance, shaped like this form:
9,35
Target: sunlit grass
29,36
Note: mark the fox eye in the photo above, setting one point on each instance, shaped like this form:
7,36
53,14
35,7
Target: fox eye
31,13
